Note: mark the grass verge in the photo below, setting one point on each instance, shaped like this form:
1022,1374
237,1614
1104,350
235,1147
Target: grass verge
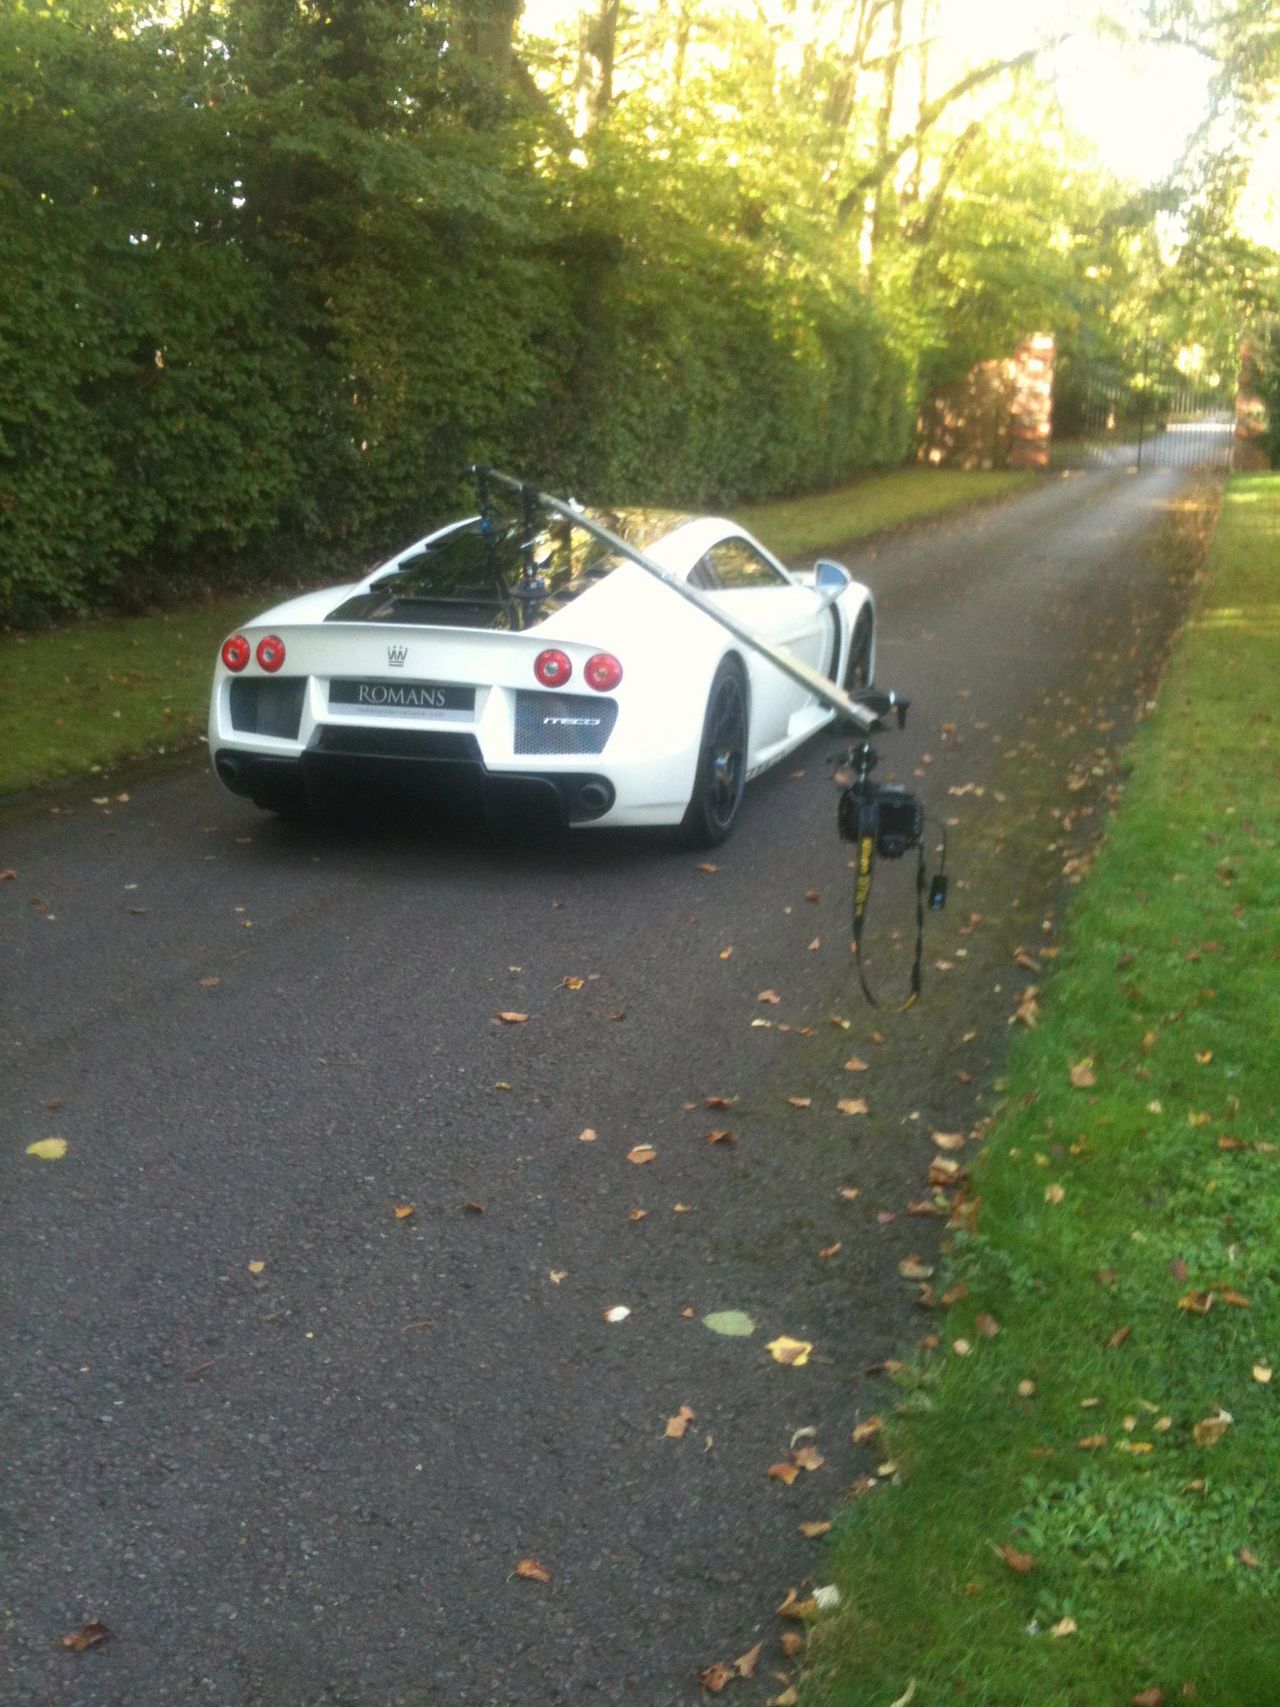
100,692
793,526
1086,1508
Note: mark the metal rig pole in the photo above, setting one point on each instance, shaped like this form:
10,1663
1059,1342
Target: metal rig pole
818,685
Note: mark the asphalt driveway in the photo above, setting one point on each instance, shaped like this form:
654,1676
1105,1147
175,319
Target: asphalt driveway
290,1446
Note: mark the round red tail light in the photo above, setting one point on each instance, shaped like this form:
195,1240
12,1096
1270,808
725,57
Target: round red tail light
603,672
552,669
271,652
236,652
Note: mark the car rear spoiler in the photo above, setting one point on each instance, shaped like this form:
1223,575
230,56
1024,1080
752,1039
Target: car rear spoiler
864,714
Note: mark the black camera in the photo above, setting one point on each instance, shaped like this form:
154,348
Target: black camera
886,813
900,821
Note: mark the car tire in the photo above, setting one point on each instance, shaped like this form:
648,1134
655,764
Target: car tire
857,670
721,772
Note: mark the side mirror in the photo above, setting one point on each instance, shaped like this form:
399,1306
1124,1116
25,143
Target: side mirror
830,579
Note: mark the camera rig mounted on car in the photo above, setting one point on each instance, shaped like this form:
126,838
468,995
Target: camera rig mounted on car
882,820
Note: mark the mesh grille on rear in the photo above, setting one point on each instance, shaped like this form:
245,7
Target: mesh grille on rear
398,743
261,707
563,722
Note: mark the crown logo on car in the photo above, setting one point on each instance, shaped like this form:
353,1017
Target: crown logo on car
397,654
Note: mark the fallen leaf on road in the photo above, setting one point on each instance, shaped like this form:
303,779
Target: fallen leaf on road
532,1571
849,1192
87,1636
617,1313
677,1424
641,1153
865,1431
830,1251
402,1211
811,1531
855,1065
791,1642
510,1018
800,1102
708,867
736,1324
808,1458
722,1135
770,996
7,876
911,1268
943,1171
784,1472
556,1275
853,1105
256,1266
572,983
745,1665
794,1353
716,1677
815,944
208,983
718,1102
473,1208
637,1214
48,1149
949,1140
588,1135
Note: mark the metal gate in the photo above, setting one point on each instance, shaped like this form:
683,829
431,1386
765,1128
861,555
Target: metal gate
1147,413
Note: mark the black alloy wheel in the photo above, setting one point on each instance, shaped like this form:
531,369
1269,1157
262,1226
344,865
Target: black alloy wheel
857,672
722,761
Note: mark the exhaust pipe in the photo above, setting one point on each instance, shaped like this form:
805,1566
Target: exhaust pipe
594,798
230,773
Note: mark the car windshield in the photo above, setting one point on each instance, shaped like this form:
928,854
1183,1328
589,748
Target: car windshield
467,580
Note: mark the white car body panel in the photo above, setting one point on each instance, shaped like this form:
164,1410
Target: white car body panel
670,652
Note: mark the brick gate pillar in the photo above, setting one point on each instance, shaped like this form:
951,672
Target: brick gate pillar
1031,408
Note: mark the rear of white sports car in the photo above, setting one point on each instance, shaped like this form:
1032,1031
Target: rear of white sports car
586,707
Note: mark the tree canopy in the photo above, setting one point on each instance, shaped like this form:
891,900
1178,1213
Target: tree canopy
276,270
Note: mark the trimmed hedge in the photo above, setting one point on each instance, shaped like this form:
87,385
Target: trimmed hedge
259,312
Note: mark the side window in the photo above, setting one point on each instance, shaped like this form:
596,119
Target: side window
736,564
702,576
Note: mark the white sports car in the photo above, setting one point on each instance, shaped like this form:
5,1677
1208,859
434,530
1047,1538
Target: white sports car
587,687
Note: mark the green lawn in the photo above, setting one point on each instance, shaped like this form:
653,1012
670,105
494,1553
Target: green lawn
1114,1422
96,693
103,691
794,526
